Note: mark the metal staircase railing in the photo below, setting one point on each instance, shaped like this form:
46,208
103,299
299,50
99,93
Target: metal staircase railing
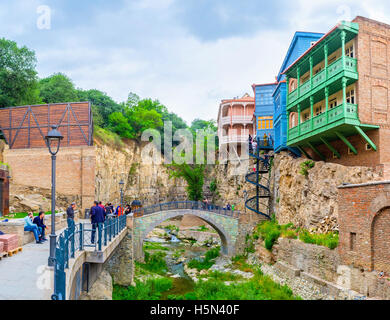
260,177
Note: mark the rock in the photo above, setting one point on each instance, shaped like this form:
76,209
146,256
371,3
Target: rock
101,289
176,276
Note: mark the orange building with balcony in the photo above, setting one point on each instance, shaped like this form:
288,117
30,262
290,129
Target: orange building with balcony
235,124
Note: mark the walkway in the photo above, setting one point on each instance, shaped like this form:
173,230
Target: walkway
22,276
25,275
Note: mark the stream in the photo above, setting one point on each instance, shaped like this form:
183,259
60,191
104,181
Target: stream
182,283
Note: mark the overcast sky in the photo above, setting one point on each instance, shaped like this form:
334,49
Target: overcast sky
189,54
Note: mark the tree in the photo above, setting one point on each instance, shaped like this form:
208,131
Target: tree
102,105
141,119
199,124
58,88
119,124
18,77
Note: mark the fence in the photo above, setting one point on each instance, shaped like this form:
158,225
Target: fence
77,238
192,205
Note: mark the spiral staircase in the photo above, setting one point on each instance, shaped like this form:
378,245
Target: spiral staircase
260,178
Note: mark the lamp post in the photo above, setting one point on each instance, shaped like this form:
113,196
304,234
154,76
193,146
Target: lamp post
121,184
53,141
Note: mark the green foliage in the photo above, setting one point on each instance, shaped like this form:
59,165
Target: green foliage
260,287
178,253
193,174
154,262
18,76
119,124
223,276
154,246
152,289
306,166
203,228
240,262
58,88
207,262
270,231
330,240
213,185
108,137
172,227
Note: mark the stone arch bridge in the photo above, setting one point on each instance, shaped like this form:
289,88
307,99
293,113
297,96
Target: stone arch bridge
225,222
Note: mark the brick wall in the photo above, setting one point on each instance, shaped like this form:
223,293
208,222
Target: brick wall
364,223
75,171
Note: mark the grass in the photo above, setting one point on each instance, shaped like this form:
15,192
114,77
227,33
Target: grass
260,287
178,253
240,262
108,137
306,166
203,228
271,231
21,215
152,289
223,276
154,263
154,246
171,227
330,239
207,262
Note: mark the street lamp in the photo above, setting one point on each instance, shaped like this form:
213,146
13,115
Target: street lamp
121,184
53,141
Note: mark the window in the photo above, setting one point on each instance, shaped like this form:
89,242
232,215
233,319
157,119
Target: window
349,52
293,85
332,59
351,96
304,79
333,103
318,111
352,241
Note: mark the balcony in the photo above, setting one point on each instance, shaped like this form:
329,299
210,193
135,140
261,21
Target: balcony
236,119
324,78
316,125
235,139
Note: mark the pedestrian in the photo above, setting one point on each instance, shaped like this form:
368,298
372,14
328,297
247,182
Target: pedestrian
127,210
97,217
29,226
39,221
70,215
119,211
108,209
228,207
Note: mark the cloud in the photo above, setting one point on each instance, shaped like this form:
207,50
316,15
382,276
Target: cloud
189,54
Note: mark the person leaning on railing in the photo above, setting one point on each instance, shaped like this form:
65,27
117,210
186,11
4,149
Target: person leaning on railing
97,216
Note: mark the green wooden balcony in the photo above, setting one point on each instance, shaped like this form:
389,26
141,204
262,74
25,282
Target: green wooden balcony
313,126
324,78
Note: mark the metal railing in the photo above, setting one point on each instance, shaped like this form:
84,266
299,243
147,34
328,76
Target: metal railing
192,205
77,238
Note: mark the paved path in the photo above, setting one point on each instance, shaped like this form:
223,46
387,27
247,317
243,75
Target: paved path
22,276
25,275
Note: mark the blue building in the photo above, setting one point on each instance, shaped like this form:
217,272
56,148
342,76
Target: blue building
301,42
264,109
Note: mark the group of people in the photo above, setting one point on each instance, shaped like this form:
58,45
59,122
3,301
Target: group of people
36,226
207,205
97,214
267,141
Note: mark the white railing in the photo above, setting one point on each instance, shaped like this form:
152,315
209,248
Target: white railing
234,139
236,119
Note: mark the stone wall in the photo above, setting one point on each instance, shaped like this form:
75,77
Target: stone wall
75,172
317,273
307,201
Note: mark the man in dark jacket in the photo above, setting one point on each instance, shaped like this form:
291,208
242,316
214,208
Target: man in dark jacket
70,215
41,226
97,216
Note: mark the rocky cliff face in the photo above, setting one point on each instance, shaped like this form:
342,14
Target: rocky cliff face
149,183
311,201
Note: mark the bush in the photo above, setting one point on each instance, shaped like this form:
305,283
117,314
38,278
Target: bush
154,246
207,262
154,262
213,185
152,289
271,231
108,137
330,240
306,166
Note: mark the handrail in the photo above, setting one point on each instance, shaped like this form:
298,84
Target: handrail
77,238
192,205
